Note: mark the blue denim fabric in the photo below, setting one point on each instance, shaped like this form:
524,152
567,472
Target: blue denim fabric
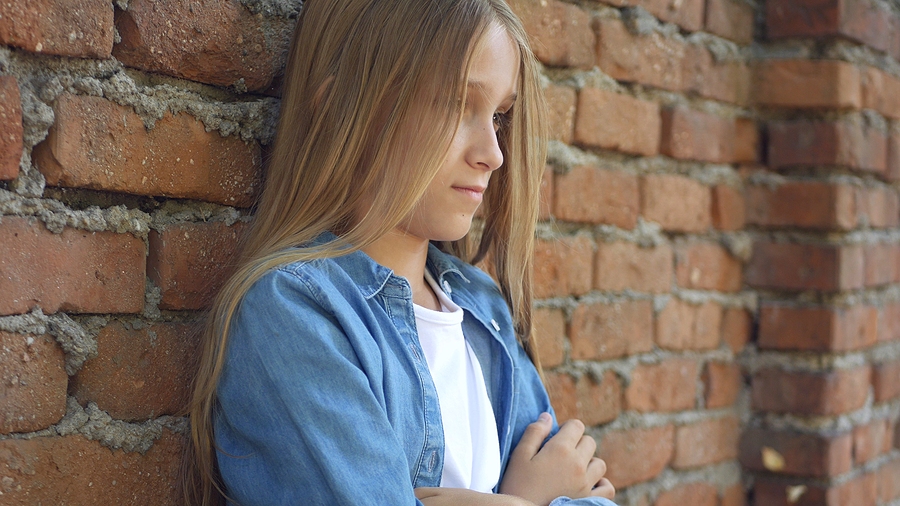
326,397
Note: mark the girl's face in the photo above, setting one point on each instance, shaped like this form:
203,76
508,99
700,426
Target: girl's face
445,211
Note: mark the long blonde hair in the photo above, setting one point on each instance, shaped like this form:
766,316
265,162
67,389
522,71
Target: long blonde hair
361,75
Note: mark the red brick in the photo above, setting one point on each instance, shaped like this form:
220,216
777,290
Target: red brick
651,59
82,29
219,43
610,120
842,143
189,262
805,267
707,266
97,144
734,496
858,491
892,172
666,386
33,382
695,135
880,92
730,19
561,101
815,455
636,455
727,81
79,271
889,481
886,381
735,328
746,138
676,203
722,382
859,20
706,442
10,126
562,266
75,471
817,328
140,373
611,330
728,208
560,33
546,195
880,206
681,326
623,265
591,195
585,399
889,322
695,494
686,14
881,265
550,333
869,440
806,204
810,393
798,84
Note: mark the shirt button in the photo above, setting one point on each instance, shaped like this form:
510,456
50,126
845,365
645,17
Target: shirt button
447,288
496,327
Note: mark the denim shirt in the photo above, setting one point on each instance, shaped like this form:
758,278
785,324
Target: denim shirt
326,397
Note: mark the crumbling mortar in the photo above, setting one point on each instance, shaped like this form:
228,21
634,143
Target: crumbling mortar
174,212
824,425
628,420
152,298
78,339
818,361
822,238
289,9
721,475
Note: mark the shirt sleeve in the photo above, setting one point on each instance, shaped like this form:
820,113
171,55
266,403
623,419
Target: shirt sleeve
298,421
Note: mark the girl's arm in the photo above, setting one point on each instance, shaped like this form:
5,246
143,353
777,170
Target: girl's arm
432,496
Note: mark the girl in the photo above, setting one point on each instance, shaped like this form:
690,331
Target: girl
354,358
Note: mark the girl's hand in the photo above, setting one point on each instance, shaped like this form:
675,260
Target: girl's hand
432,496
565,466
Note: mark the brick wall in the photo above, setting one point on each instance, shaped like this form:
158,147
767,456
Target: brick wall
718,261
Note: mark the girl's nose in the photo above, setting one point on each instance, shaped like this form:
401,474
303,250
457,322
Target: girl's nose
487,151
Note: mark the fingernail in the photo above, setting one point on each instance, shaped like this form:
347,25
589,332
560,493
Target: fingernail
545,417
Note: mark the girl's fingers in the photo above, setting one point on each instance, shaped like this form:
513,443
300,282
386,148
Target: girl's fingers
595,471
604,489
533,437
586,447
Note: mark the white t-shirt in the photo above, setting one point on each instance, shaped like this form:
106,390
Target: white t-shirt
471,445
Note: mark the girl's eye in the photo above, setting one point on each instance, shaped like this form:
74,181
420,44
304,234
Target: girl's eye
500,119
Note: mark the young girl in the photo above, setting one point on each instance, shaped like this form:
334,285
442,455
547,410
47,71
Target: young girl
354,358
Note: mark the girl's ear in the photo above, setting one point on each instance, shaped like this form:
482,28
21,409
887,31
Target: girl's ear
320,92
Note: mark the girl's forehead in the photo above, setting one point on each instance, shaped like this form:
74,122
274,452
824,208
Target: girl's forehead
495,63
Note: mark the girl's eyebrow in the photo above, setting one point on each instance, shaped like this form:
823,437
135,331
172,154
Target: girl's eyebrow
482,87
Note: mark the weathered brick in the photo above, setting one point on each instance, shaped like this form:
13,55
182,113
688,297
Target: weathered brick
816,455
650,59
892,171
881,264
681,325
220,43
676,202
624,265
861,491
706,442
589,194
189,262
33,382
704,74
806,204
550,332
76,270
889,481
707,266
880,92
585,399
746,140
562,266
667,386
687,14
810,393
100,145
817,328
75,471
879,206
860,20
730,19
728,208
10,127
722,383
886,380
736,328
695,494
801,84
805,267
888,322
610,330
695,135
734,496
561,101
545,209
871,440
844,143
82,29
560,33
140,373
636,455
619,122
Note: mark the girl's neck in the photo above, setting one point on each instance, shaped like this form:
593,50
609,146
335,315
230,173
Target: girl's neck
406,256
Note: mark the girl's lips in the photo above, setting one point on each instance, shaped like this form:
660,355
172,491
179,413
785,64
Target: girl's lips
474,192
